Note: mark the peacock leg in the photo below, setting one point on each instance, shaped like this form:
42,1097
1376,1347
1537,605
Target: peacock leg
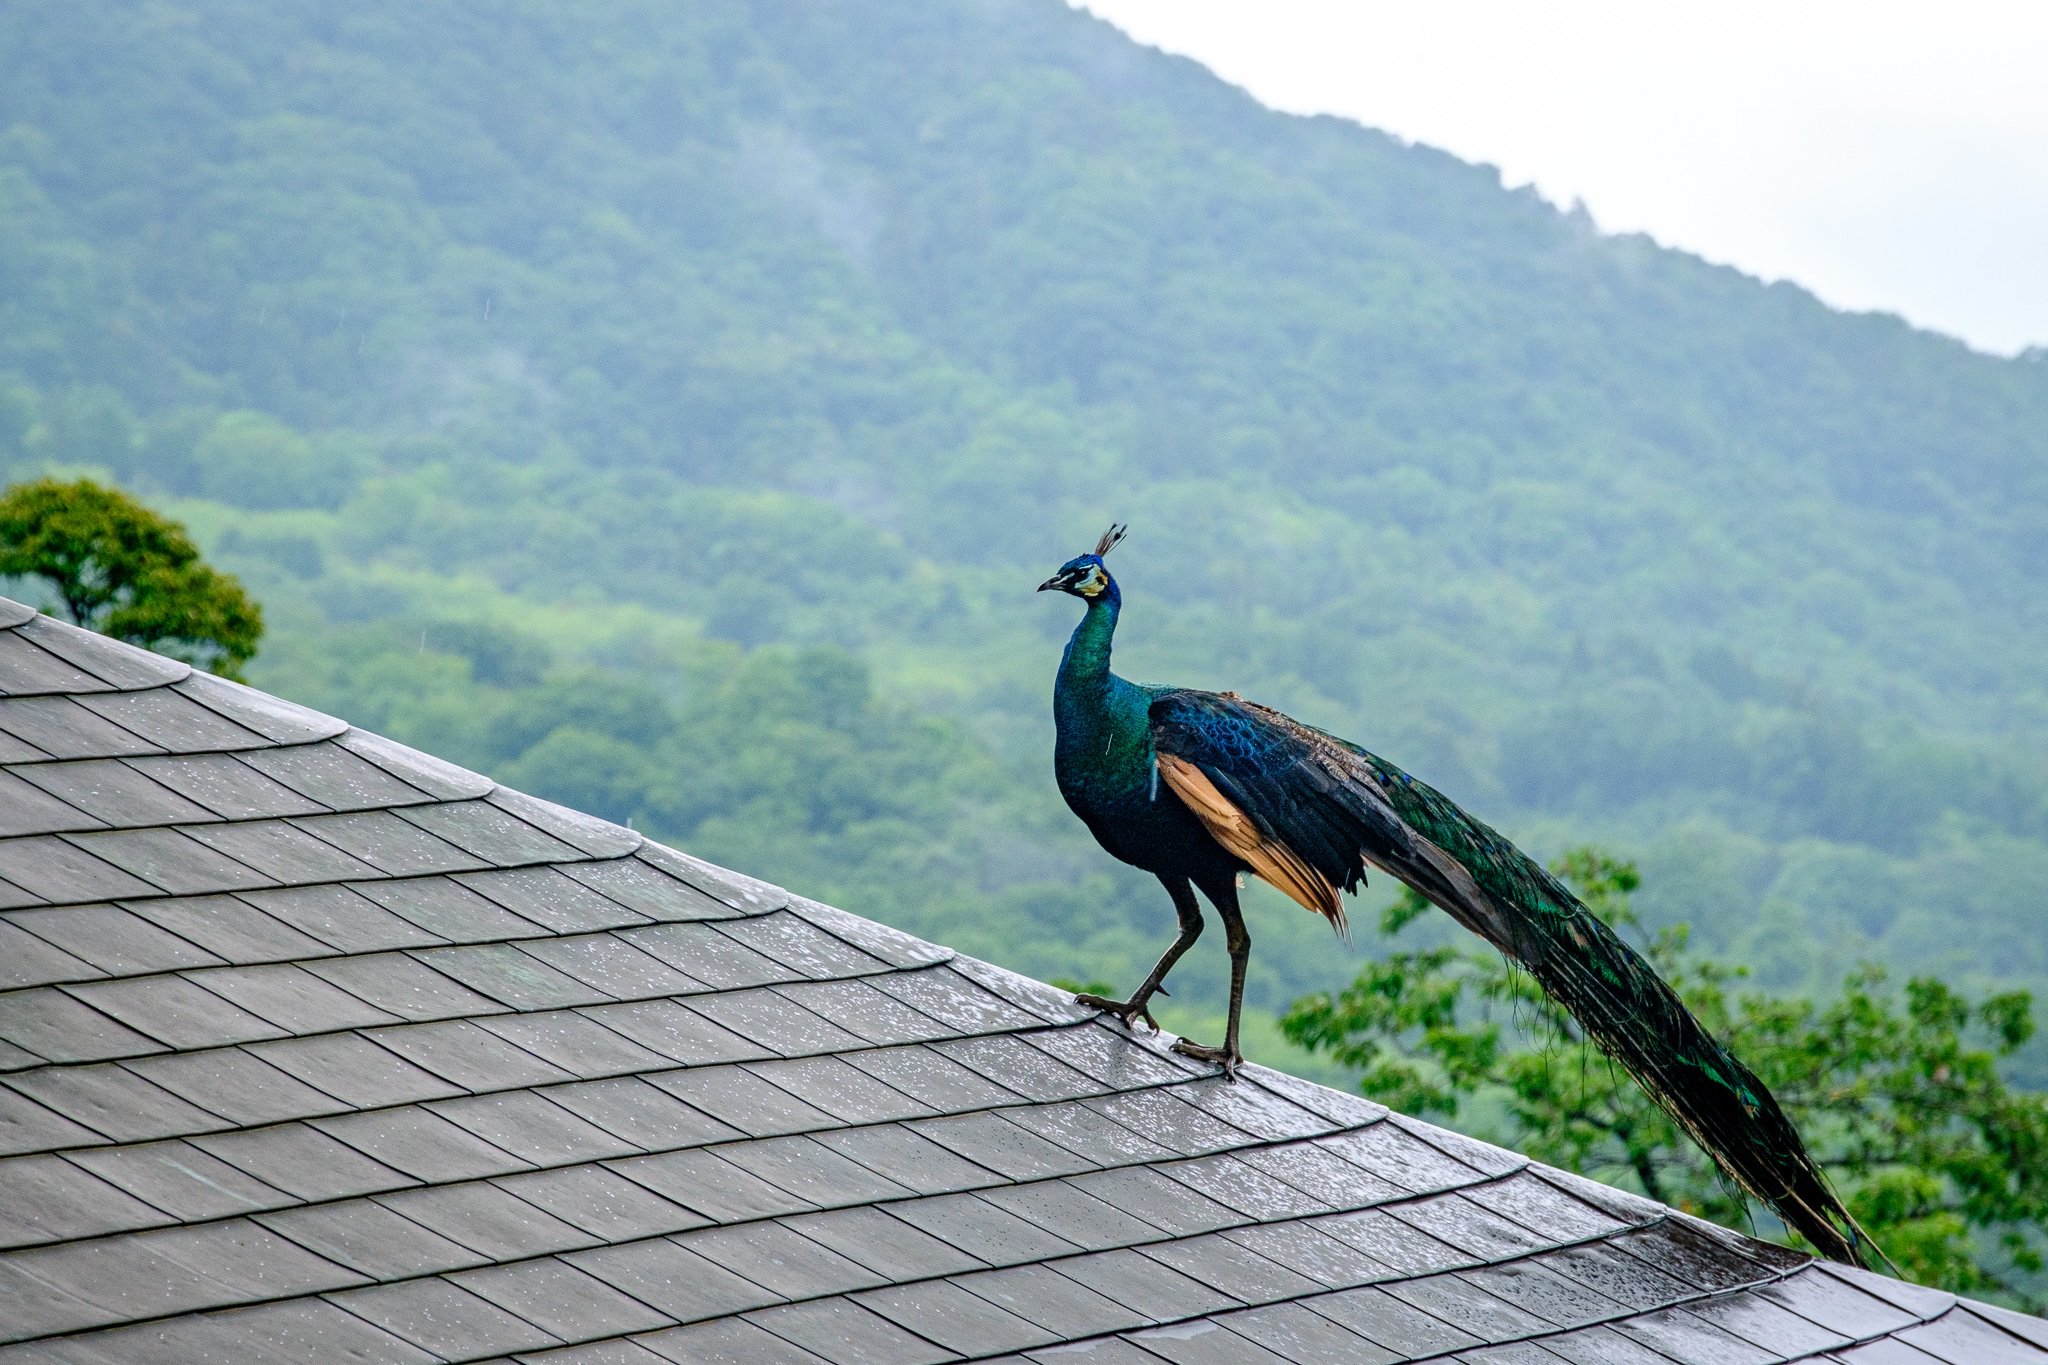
1190,911
1238,940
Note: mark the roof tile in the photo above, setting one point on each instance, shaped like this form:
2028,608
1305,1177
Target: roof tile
1307,1251
112,939
811,1171
962,1322
495,1225
1296,1334
890,1247
229,928
861,1009
1147,1286
706,1183
61,873
63,728
443,1319
991,1235
637,886
394,847
548,897
29,808
602,1203
60,1028
1166,1204
235,1084
422,1144
780,1260
775,1022
171,721
1168,1120
279,721
676,1032
469,1056
1389,1323
1683,1336
281,853
354,1070
589,835
26,960
491,834
737,1096
303,1162
914,1162
28,670
170,859
1070,1212
115,662
931,1077
438,778
174,1011
293,999
993,1141
114,1101
340,917
726,1341
225,785
334,777
1016,1064
641,1115
530,1126
848,1334
672,1280
182,1180
370,1239
560,1299
46,1199
700,951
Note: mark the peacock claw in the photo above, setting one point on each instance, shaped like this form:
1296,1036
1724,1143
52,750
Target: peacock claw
1223,1057
1126,1010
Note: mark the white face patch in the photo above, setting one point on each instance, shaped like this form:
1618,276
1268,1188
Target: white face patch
1093,582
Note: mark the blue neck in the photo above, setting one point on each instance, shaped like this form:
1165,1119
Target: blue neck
1086,663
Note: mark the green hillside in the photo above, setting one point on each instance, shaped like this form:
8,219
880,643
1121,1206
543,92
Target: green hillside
669,409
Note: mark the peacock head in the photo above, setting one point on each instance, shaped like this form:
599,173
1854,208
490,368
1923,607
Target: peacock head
1084,575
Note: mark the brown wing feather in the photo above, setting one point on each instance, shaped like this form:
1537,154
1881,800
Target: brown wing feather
1270,859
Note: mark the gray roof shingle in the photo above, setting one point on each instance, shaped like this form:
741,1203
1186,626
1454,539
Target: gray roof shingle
315,1047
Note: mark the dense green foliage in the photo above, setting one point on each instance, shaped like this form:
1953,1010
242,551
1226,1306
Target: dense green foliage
535,363
1897,1093
119,568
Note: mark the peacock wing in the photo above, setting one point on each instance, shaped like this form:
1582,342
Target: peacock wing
1289,800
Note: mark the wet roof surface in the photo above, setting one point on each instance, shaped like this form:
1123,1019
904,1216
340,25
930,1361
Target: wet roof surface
315,1048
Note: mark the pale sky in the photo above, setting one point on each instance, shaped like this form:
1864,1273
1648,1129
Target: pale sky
1886,155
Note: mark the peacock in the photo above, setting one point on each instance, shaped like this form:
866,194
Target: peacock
1199,787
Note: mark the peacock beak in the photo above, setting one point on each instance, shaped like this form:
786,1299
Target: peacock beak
1054,582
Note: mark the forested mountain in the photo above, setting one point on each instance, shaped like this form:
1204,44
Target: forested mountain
669,409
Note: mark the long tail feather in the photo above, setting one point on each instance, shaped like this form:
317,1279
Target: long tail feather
1617,998
1329,806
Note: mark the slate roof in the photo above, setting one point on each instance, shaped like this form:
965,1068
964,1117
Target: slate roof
319,1049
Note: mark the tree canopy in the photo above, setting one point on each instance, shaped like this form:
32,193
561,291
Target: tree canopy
118,568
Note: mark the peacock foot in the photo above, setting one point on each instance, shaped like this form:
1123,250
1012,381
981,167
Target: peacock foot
1222,1056
1126,1010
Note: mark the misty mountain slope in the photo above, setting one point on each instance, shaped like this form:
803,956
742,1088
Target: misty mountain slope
626,348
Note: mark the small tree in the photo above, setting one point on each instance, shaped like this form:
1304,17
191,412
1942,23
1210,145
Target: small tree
1897,1093
120,569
